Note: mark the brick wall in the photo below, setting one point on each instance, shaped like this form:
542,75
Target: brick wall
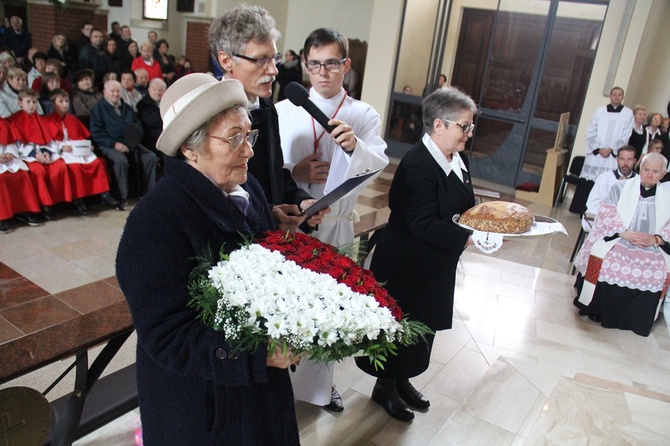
197,48
45,22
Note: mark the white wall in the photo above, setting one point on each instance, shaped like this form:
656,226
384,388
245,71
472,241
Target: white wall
417,38
381,62
649,82
350,17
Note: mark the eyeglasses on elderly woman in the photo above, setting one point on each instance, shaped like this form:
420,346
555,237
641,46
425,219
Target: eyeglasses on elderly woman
467,128
238,139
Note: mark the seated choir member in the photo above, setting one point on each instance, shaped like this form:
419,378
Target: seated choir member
17,195
47,169
88,173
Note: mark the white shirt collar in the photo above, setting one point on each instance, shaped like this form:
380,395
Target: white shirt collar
456,164
313,94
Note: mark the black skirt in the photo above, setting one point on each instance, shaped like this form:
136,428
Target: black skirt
411,361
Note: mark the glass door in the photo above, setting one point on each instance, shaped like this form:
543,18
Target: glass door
538,66
524,62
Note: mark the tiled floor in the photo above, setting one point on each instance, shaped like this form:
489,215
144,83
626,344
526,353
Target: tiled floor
518,367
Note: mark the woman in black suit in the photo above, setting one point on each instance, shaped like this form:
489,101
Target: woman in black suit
418,251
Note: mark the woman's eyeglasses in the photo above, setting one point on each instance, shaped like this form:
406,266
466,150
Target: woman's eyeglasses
467,128
238,139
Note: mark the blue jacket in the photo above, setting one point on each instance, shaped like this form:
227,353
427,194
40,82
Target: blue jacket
108,128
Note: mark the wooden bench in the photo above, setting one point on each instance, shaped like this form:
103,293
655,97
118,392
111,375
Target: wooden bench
111,397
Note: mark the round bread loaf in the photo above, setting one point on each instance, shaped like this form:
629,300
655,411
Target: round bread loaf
498,216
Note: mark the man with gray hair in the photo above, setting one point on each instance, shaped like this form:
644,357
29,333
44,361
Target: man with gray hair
626,257
110,120
243,41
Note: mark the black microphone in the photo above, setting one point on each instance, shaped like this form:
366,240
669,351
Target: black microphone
299,96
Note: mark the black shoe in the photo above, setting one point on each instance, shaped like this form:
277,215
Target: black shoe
28,219
108,200
410,395
46,213
385,394
335,401
4,227
123,204
594,317
80,206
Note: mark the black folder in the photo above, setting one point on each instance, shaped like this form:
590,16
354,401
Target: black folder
339,192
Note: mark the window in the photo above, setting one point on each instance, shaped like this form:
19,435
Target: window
155,9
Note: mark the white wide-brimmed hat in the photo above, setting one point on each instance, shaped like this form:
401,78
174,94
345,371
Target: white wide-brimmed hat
192,101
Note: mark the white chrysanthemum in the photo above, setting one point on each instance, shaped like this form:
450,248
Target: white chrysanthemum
296,304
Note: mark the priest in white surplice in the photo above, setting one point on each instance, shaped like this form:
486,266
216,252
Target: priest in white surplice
609,129
320,162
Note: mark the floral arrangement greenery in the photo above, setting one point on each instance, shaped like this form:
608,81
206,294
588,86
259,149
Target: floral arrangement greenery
297,292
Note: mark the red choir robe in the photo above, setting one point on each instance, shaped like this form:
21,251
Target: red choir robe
51,181
88,175
16,191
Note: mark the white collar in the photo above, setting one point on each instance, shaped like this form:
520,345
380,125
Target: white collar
447,167
313,94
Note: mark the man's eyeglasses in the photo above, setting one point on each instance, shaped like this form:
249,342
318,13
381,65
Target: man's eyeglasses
238,139
467,128
333,65
262,61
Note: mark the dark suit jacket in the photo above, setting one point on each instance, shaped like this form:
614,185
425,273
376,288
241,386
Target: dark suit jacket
418,251
149,114
191,390
267,165
108,128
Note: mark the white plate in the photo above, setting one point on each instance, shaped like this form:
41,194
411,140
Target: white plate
541,226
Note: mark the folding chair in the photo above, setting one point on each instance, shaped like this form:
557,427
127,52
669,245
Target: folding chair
571,177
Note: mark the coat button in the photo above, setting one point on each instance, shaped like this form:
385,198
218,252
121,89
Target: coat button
234,354
221,353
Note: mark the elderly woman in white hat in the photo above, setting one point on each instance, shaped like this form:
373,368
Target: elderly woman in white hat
193,388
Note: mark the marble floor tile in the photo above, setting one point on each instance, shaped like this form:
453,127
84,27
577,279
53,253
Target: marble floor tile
458,377
50,309
577,413
463,428
542,348
503,397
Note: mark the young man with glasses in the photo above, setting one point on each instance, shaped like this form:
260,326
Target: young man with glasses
243,41
320,162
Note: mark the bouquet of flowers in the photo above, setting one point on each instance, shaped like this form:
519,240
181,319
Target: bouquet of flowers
297,292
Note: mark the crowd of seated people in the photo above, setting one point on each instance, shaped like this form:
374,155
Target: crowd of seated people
58,101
